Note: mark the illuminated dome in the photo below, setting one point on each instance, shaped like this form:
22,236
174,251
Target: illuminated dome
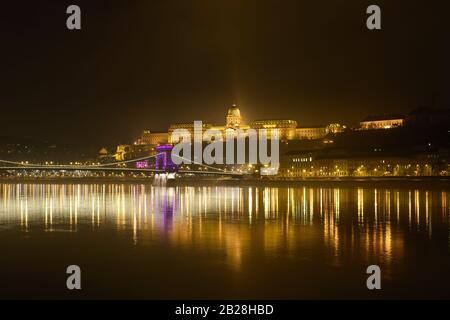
234,111
233,117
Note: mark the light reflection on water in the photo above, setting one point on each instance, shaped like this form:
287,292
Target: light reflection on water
144,207
370,225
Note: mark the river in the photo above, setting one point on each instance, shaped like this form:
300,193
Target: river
297,242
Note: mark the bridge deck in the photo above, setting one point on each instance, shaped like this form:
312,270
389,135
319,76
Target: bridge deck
117,169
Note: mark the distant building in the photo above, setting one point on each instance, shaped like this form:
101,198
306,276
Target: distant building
286,128
382,122
154,138
310,133
143,146
121,151
132,151
104,156
334,128
103,153
309,164
233,117
185,126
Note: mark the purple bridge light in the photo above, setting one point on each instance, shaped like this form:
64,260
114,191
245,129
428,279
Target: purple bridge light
142,164
164,160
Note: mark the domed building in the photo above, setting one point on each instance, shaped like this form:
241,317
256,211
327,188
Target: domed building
287,130
233,117
103,153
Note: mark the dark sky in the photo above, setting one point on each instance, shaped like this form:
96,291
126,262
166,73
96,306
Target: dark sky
144,64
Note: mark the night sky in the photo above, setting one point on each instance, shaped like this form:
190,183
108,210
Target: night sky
145,64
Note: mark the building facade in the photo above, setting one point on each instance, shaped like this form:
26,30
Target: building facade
382,122
288,130
310,133
154,138
310,165
233,117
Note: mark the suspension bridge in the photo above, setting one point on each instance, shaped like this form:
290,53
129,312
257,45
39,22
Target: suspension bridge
119,167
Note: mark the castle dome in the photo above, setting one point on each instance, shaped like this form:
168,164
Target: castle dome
234,111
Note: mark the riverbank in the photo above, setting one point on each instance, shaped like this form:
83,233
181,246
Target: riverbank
409,182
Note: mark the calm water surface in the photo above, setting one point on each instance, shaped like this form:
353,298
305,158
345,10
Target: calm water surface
141,241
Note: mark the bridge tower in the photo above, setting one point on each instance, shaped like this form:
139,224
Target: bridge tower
164,160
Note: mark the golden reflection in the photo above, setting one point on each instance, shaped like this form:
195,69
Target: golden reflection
250,204
417,207
409,208
427,214
236,220
388,202
360,205
397,202
375,206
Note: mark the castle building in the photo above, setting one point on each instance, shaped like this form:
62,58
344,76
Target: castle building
233,117
310,133
382,122
287,129
185,126
132,151
154,138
